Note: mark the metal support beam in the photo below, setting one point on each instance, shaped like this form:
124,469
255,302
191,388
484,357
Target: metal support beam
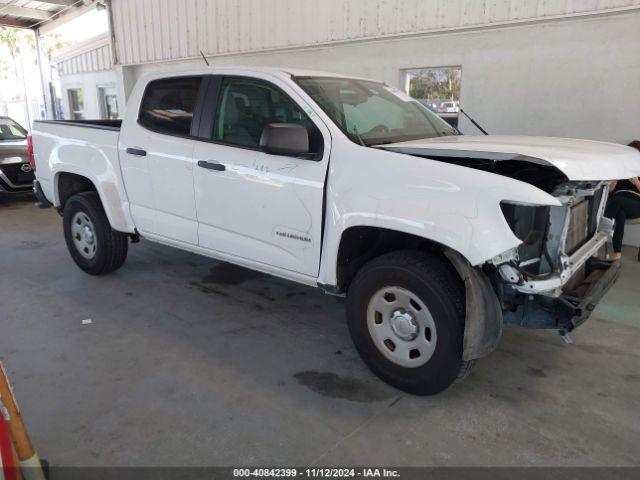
66,16
63,3
10,22
44,79
26,12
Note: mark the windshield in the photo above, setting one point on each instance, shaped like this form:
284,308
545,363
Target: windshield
372,113
10,130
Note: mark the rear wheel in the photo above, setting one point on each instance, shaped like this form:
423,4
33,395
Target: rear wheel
94,245
406,314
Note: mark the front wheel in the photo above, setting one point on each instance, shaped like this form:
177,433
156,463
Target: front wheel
406,313
93,244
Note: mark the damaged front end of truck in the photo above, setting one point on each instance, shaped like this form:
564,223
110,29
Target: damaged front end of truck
559,273
555,278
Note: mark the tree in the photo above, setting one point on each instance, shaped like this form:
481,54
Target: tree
11,38
5,69
435,83
52,44
17,41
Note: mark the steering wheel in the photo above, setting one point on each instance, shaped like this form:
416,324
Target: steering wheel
380,129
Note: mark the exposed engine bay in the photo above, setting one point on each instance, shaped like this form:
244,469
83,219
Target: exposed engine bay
533,171
560,258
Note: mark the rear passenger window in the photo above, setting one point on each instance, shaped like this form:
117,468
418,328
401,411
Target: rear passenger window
168,105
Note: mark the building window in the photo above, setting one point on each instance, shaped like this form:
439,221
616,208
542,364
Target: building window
76,104
168,105
437,88
108,103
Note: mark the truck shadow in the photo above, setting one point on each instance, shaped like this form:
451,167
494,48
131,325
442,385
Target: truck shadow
273,321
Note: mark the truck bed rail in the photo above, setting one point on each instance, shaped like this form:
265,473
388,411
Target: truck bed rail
99,124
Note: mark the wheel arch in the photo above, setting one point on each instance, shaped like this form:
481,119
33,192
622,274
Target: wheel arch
69,182
483,319
362,243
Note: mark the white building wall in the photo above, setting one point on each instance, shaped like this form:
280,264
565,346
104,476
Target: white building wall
90,83
93,55
161,30
87,66
571,78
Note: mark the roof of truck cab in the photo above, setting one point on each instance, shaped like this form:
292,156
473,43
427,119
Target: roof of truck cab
282,72
299,72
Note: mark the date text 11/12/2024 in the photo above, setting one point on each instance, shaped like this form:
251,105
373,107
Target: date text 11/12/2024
316,473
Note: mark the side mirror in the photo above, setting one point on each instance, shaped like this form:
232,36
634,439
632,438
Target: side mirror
288,139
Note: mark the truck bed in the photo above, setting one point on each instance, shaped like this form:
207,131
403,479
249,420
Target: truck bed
86,148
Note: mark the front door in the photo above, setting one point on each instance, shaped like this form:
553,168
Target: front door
156,154
259,207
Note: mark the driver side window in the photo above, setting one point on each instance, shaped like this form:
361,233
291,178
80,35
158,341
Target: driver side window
246,106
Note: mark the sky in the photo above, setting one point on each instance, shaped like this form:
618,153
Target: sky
91,24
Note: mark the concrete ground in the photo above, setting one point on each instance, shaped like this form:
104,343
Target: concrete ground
191,362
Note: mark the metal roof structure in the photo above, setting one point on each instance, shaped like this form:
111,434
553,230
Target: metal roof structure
34,14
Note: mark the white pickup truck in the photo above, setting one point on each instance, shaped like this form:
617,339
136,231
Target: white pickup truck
437,239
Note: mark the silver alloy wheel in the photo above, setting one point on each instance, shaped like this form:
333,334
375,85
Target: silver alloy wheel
84,235
401,327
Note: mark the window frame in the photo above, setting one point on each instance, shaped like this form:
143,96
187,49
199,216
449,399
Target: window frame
73,96
102,99
197,111
405,74
209,115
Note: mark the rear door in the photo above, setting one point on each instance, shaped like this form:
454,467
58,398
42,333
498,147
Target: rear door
256,206
156,153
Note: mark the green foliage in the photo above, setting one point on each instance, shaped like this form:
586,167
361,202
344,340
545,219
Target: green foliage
16,40
435,83
51,44
5,69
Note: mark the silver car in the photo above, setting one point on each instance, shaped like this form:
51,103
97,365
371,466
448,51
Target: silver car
16,175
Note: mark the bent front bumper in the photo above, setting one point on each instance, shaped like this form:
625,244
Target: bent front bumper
552,285
570,309
603,276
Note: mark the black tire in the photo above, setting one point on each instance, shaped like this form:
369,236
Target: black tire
111,246
436,283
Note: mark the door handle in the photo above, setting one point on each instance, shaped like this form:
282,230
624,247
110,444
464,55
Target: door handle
138,152
212,165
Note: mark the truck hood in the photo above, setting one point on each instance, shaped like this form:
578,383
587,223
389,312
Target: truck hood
578,160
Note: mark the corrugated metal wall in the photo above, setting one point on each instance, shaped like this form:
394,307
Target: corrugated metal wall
94,56
160,30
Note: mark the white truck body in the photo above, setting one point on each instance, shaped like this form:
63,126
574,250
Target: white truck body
288,216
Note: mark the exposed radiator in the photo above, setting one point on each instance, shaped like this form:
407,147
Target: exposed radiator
578,232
